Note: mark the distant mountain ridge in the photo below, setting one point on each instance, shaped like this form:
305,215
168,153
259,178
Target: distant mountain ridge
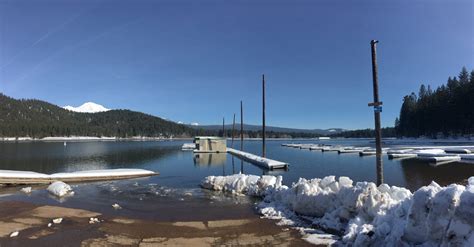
37,119
250,127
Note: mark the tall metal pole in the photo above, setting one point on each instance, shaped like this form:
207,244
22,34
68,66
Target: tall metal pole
263,117
377,104
233,131
241,126
223,128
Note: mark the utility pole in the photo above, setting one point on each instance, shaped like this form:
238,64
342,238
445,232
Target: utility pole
241,126
223,128
263,117
233,131
377,104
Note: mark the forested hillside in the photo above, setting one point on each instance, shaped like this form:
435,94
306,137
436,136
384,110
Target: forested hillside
37,119
447,110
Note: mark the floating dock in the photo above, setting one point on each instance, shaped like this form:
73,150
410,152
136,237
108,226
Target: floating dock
28,177
436,155
257,160
188,147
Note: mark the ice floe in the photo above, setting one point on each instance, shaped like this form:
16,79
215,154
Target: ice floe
363,214
60,189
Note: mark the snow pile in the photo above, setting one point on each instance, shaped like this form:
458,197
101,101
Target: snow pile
60,189
88,107
363,214
243,184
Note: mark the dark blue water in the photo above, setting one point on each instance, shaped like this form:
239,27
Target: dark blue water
176,190
183,169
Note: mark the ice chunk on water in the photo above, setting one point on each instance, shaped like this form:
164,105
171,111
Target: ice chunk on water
60,189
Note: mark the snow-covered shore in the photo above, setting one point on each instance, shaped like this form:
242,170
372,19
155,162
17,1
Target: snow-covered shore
363,214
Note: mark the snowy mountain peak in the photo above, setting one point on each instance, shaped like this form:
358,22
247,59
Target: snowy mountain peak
88,107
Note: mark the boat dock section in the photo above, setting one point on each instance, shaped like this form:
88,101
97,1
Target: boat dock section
28,177
435,155
257,160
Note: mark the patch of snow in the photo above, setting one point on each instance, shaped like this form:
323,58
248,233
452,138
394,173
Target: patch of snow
195,124
14,234
362,214
88,107
60,189
116,206
26,190
57,220
93,220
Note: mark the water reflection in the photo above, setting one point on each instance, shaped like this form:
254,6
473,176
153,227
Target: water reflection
210,159
55,157
419,174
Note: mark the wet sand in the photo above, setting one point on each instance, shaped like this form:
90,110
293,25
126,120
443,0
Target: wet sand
75,230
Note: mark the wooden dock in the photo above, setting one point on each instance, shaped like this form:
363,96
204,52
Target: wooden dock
258,160
28,177
433,154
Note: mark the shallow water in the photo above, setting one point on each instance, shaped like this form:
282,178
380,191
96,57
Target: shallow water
176,190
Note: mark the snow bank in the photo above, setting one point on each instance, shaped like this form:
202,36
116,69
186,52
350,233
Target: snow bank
60,189
364,214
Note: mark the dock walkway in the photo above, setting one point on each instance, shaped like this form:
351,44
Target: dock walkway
257,160
28,177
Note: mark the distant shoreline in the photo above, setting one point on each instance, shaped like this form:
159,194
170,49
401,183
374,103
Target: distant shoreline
85,138
237,138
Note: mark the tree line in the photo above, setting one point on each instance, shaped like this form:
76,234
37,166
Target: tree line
445,111
39,119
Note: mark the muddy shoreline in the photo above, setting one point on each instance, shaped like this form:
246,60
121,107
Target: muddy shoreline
32,220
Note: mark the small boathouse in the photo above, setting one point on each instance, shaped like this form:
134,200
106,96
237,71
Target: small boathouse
210,144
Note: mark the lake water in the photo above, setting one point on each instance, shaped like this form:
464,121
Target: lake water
176,190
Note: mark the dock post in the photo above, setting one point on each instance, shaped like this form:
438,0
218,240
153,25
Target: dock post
263,116
223,128
241,126
377,110
233,131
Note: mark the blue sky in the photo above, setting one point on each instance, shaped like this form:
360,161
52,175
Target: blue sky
193,61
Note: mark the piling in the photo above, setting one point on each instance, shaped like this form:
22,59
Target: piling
241,126
263,117
377,104
233,132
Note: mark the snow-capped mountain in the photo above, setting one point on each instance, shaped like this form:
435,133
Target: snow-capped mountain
88,107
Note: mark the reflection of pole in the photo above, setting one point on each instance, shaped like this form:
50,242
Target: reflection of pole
233,165
241,166
377,109
233,131
263,117
241,126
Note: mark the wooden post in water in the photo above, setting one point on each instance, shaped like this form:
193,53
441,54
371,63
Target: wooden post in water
263,116
223,128
377,104
233,131
241,126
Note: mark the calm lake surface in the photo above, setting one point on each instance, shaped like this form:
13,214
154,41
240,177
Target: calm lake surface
176,190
